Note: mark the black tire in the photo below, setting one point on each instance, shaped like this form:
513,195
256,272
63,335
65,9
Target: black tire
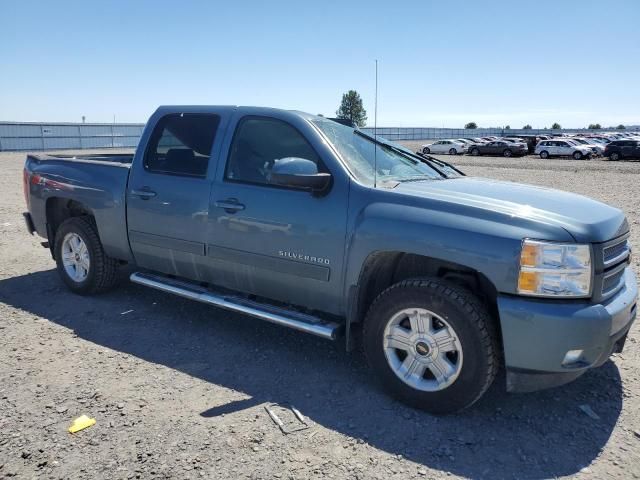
472,324
615,156
544,154
426,150
507,153
102,271
453,151
475,152
577,155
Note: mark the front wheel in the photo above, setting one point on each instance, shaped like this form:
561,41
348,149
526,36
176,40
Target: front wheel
544,154
577,155
507,153
426,150
432,344
615,156
80,258
475,152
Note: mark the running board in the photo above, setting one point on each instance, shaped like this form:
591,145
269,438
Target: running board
270,313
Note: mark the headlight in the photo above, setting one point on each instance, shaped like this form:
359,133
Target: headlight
555,269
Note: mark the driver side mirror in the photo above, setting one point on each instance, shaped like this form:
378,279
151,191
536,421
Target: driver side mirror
299,173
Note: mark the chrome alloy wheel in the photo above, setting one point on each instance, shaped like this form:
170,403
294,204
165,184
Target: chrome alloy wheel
422,349
75,257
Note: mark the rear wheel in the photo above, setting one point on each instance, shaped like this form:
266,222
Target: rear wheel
80,258
577,155
615,156
544,154
432,344
426,150
453,151
507,153
475,152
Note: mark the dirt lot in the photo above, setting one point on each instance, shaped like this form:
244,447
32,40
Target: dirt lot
178,388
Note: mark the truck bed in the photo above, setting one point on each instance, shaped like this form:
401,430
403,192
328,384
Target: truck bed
96,181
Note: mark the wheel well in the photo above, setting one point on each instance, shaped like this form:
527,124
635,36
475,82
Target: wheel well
383,269
58,210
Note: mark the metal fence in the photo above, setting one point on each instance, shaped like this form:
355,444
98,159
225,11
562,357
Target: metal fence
65,136
16,136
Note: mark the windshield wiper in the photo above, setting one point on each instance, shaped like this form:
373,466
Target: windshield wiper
417,178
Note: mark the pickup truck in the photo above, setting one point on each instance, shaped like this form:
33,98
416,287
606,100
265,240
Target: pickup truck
298,220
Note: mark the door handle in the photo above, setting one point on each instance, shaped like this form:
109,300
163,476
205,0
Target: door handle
144,193
230,205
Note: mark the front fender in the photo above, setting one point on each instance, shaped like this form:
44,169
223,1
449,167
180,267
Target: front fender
485,243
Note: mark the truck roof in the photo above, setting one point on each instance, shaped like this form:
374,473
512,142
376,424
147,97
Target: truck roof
247,110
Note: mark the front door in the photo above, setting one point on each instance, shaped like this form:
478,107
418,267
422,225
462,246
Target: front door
168,195
564,148
279,243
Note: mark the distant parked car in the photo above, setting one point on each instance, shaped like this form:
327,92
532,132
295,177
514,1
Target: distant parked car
530,140
513,141
466,141
499,147
596,148
619,149
452,147
562,148
600,139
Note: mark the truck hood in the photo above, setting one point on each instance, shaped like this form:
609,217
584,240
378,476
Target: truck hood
584,219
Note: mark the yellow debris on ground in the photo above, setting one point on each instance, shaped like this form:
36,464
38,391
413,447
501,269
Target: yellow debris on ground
81,423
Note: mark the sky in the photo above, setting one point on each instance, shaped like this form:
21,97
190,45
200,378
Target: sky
440,64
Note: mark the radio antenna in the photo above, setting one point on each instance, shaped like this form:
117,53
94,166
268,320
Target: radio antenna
375,132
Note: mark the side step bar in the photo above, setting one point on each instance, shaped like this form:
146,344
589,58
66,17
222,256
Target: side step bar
280,316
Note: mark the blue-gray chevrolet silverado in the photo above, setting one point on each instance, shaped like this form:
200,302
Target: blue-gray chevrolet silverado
309,223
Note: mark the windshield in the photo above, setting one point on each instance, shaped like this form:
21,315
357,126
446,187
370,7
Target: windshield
357,151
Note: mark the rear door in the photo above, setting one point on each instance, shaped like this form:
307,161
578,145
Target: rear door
276,242
168,193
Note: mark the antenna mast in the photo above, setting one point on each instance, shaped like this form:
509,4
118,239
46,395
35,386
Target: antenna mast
375,133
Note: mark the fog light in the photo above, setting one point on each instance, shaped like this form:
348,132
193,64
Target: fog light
572,356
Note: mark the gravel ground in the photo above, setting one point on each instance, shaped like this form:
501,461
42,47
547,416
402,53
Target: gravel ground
178,389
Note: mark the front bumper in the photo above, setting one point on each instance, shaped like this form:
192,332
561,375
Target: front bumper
538,333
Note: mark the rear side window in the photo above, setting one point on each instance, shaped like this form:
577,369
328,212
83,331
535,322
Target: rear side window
258,142
181,144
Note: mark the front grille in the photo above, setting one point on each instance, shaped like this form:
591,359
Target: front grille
616,253
610,261
611,282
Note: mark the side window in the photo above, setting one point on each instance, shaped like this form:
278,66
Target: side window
258,142
181,144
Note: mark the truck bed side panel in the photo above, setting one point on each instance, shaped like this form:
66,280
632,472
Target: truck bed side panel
99,186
